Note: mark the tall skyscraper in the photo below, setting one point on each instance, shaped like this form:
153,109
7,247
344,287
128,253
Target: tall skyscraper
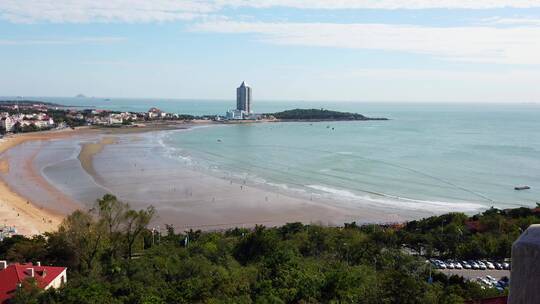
243,98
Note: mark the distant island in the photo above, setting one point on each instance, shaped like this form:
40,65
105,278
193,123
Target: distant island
319,114
80,96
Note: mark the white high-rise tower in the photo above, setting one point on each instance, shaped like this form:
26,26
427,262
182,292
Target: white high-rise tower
243,98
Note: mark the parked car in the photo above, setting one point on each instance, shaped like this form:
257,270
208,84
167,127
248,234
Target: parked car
436,264
450,265
475,265
482,265
506,266
504,281
466,265
499,266
440,264
483,280
458,265
490,265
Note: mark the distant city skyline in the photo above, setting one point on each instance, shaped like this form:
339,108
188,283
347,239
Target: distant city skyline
351,50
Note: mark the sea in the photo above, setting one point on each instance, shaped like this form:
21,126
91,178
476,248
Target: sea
461,156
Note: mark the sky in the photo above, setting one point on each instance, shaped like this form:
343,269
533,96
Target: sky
339,50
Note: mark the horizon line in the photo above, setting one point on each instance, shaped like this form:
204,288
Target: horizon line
14,97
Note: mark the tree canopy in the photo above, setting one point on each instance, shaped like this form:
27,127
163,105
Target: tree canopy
113,257
320,114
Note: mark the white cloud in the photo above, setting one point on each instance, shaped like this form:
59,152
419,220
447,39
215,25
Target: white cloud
132,11
513,76
517,45
514,85
62,41
82,11
512,21
385,4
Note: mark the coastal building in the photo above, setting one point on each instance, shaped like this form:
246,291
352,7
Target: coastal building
14,275
7,123
7,231
235,114
115,119
243,98
155,113
243,104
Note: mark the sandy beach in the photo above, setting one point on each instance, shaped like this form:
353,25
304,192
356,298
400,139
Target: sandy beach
29,217
184,197
89,150
189,198
16,210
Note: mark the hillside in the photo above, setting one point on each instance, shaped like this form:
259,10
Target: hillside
320,114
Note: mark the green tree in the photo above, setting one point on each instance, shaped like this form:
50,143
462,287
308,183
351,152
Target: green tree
85,237
27,293
134,223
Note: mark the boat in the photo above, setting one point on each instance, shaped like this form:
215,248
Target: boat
522,188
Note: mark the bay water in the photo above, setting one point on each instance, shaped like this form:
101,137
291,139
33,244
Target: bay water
461,157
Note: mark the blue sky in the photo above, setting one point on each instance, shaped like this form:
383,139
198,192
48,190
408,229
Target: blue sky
354,50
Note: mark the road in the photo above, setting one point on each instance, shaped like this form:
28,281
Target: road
473,274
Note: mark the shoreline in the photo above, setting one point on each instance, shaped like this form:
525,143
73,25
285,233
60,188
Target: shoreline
15,209
28,216
207,201
214,202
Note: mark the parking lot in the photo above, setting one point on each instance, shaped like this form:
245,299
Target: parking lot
473,274
492,274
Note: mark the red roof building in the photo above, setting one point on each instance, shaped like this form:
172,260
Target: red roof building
12,276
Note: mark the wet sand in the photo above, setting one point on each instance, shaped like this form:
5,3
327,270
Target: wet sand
17,211
88,150
189,198
31,217
184,197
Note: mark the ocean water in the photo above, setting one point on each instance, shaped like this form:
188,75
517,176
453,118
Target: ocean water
437,157
426,156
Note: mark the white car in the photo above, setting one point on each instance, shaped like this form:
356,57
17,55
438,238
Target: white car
450,265
490,265
439,264
483,280
457,265
482,265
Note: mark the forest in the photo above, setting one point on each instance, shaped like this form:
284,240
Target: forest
113,256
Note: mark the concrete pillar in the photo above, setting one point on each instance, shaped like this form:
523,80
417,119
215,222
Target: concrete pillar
525,273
